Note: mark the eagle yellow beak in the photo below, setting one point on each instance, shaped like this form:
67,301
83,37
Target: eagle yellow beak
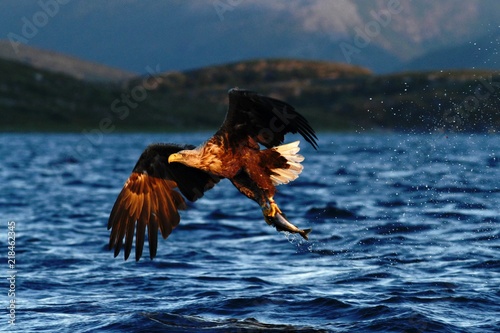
174,158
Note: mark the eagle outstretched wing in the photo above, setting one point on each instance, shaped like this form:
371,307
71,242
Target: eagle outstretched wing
263,118
150,199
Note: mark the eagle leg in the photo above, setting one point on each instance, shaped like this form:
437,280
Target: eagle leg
272,209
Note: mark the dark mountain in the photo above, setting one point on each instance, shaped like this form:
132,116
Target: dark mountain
481,53
332,96
60,63
32,99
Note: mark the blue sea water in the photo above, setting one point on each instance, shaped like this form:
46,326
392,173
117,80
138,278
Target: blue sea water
405,239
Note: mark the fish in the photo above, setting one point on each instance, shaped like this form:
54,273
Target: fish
280,222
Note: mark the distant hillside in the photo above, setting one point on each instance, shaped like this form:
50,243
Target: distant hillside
60,63
332,96
250,72
342,97
37,100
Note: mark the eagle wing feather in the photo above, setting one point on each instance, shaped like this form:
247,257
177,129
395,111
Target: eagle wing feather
149,199
263,118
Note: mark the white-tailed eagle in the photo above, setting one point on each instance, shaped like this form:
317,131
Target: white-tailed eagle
149,199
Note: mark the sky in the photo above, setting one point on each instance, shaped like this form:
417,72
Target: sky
178,34
118,33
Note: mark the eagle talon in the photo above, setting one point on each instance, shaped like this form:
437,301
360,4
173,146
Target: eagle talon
272,210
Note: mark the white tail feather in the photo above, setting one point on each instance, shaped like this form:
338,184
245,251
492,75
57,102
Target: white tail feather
288,151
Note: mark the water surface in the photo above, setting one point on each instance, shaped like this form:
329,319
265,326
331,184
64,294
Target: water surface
405,239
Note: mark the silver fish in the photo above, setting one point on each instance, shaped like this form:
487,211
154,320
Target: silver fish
282,224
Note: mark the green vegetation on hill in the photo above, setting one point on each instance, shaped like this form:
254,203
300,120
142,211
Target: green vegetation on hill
37,100
332,96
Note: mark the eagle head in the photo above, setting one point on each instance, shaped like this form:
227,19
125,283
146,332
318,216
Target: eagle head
188,157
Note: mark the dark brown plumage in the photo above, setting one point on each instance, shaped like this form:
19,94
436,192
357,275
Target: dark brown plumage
149,199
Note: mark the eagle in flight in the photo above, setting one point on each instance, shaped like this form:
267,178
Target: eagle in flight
149,200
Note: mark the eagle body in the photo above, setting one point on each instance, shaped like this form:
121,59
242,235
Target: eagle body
247,166
247,149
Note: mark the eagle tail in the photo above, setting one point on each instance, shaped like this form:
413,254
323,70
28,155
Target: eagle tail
290,152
